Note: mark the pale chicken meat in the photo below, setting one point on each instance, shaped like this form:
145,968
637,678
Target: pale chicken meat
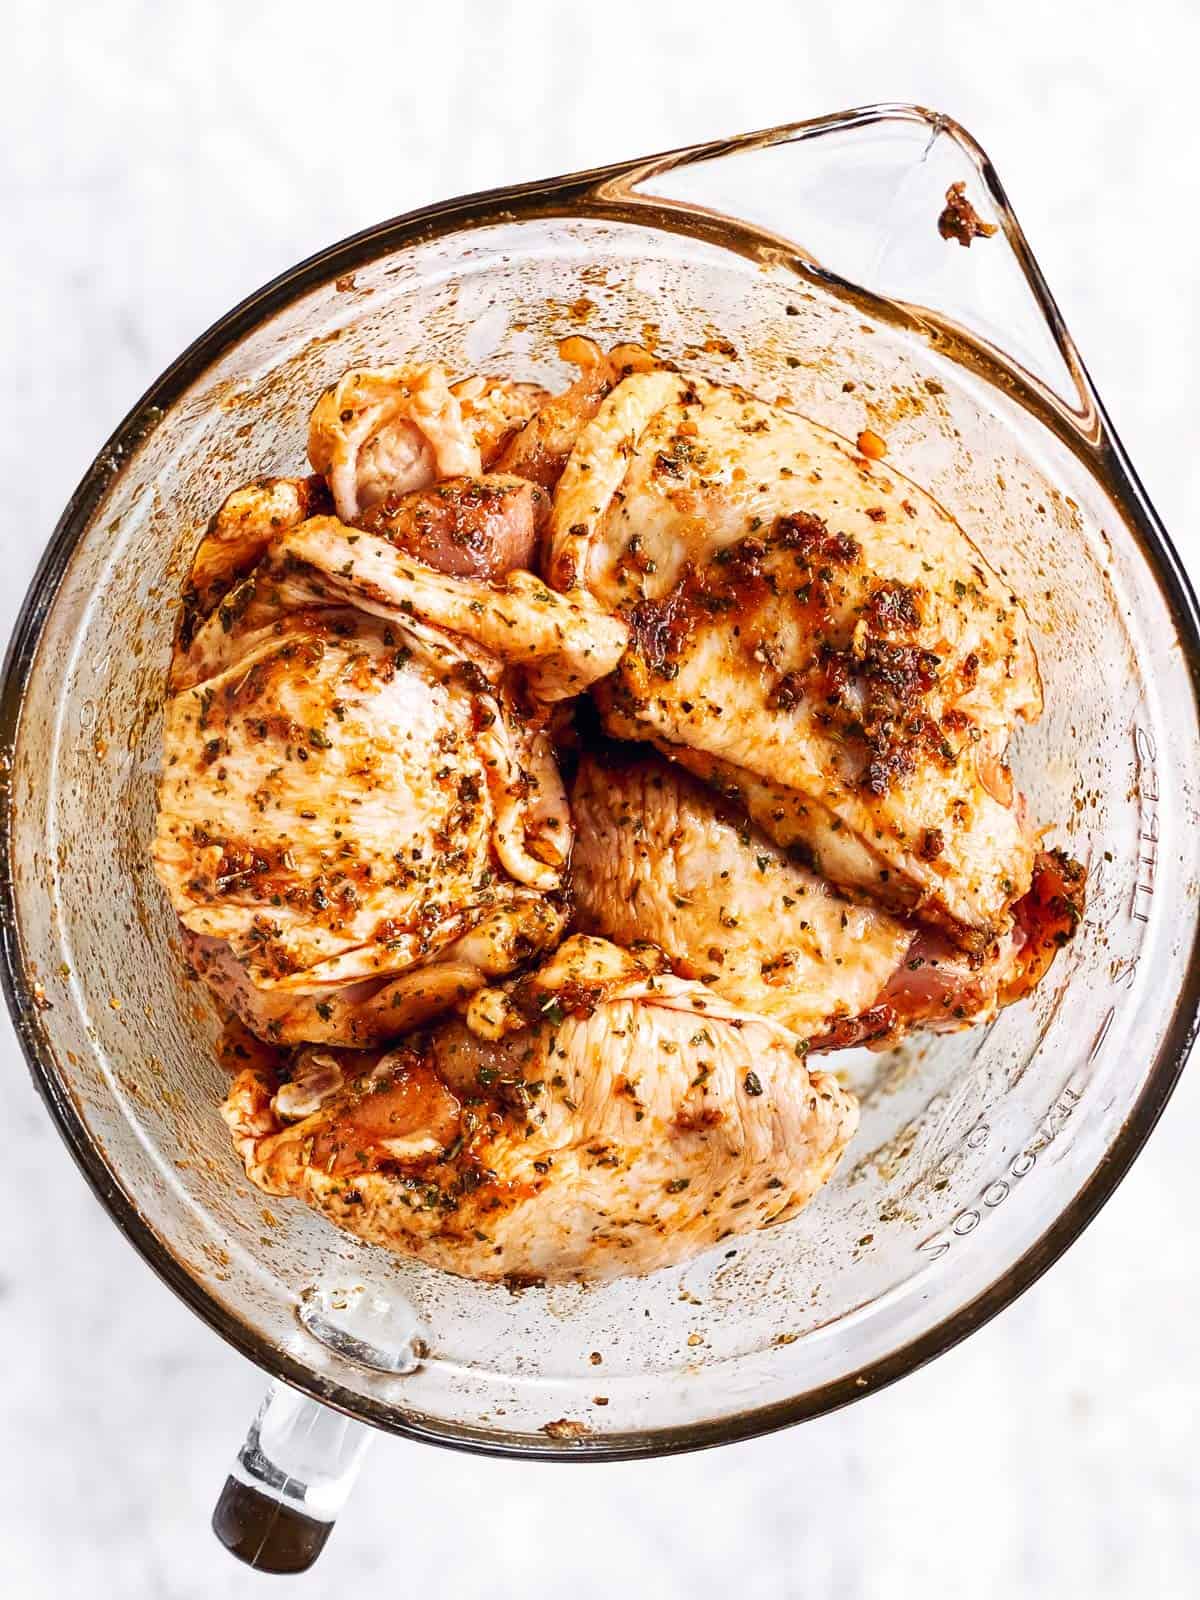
360,814
539,451
814,635
391,430
661,857
466,527
597,1117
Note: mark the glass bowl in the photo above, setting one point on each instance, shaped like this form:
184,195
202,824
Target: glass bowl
806,263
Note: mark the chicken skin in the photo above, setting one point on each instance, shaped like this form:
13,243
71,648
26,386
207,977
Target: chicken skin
540,450
495,409
237,538
360,814
598,1117
812,634
659,856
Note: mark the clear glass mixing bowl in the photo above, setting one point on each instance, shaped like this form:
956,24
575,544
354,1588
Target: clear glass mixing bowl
804,263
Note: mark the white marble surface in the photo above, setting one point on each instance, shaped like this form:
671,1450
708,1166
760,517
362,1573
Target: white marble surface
159,161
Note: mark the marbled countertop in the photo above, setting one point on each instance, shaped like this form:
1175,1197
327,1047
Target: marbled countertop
161,161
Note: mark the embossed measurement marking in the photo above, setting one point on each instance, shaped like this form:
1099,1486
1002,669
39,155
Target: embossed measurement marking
997,1190
1148,798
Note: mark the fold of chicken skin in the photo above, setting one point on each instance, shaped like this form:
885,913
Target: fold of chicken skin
361,1013
599,1117
808,621
562,643
389,430
358,783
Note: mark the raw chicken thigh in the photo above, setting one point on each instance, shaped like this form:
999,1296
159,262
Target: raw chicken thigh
599,1116
360,815
659,856
812,634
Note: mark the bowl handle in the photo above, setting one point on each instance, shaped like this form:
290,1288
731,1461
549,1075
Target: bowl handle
290,1480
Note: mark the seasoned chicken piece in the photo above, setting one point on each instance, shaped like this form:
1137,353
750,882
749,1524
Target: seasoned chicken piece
389,431
941,988
238,535
660,857
562,643
358,784
809,624
466,527
494,409
380,1008
596,1118
539,451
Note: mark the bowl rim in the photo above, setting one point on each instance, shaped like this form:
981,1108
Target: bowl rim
572,194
